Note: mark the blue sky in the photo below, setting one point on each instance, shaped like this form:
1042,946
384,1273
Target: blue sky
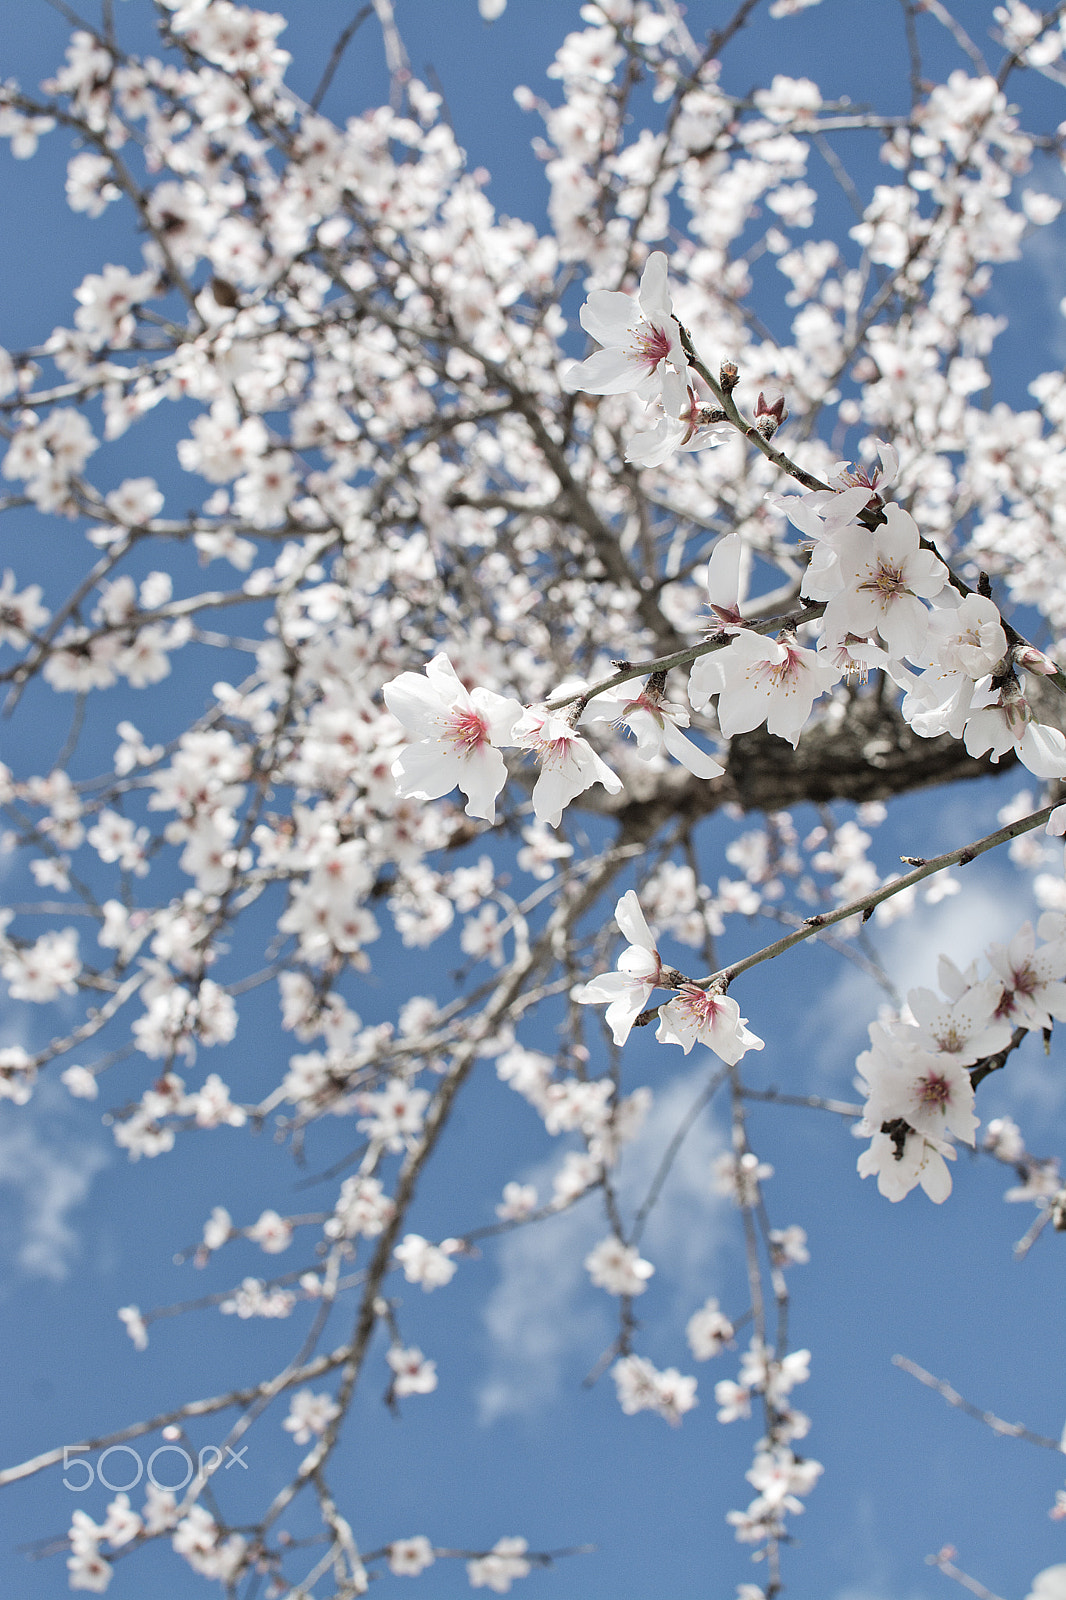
511,1442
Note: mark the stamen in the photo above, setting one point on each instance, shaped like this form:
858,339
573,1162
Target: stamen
466,730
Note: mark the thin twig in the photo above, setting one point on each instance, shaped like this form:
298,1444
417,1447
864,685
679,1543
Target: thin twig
866,903
944,1563
1011,1430
338,52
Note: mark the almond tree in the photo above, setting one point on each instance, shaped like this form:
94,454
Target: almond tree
482,517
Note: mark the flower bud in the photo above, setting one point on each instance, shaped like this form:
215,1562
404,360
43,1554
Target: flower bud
773,415
1033,660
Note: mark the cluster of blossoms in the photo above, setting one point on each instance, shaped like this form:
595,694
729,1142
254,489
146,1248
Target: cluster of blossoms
641,1387
149,1128
697,1016
886,598
87,1567
643,354
916,1076
459,734
196,1536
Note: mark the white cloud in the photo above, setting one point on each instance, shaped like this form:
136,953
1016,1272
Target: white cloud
962,927
885,1593
533,1317
50,1170
543,1310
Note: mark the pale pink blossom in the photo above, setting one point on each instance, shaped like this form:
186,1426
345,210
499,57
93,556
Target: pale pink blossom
639,337
519,1200
542,850
21,614
409,1557
788,1246
734,1400
106,301
700,1016
780,1477
1003,719
708,1331
310,1415
902,1160
504,1563
823,512
394,1114
967,1028
1034,992
728,574
962,646
457,733
1003,1139
122,1524
217,1229
135,1325
931,1093
424,1263
760,680
89,1570
886,576
271,1233
656,725
80,1082
686,424
568,763
642,1387
44,969
362,1208
739,1176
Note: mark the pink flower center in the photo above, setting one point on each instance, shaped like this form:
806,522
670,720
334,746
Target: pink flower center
553,752
467,731
1006,1004
779,672
863,478
934,1090
701,1006
652,345
643,702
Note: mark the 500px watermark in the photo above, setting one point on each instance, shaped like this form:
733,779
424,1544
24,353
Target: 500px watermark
208,1460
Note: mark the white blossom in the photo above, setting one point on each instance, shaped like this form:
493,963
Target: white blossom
413,1374
618,1268
639,969
310,1415
424,1263
638,337
642,1387
700,1016
568,763
708,1331
760,680
457,737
